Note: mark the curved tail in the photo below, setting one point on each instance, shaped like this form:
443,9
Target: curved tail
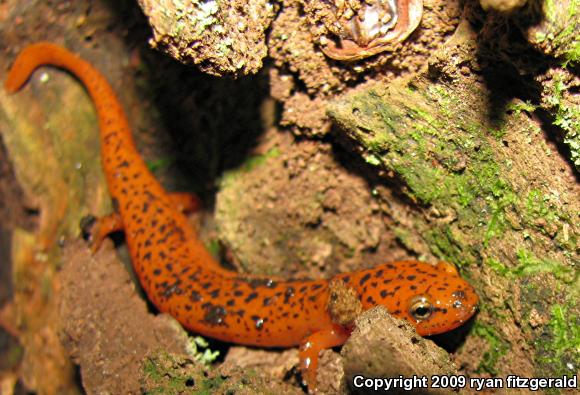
117,145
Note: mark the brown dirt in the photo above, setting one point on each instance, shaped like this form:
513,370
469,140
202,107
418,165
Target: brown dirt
312,217
105,325
304,78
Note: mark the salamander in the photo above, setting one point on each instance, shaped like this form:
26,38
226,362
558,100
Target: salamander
182,278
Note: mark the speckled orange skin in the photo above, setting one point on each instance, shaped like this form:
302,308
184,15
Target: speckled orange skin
181,278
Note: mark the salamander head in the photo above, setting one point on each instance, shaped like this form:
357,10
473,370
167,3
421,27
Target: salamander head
442,304
435,299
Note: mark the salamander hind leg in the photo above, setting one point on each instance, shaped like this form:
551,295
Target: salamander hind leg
95,230
311,347
185,202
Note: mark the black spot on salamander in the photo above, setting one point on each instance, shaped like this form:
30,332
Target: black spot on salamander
302,289
397,288
215,293
157,272
458,294
195,296
147,256
396,312
411,277
441,289
295,315
169,267
414,264
188,307
145,207
267,301
214,314
433,275
387,280
379,273
390,266
364,279
316,286
250,297
115,204
374,284
192,277
312,298
230,302
370,300
413,287
238,293
260,282
346,279
288,294
206,285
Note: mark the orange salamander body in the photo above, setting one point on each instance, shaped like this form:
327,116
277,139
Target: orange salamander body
181,278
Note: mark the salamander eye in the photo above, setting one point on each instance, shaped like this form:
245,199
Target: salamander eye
421,308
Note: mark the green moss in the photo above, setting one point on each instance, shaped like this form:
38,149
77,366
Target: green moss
444,165
250,164
198,349
157,165
497,266
520,106
567,115
214,247
496,348
529,265
559,345
562,30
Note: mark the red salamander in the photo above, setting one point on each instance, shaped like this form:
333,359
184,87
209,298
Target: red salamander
181,278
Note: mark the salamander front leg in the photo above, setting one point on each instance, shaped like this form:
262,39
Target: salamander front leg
311,347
